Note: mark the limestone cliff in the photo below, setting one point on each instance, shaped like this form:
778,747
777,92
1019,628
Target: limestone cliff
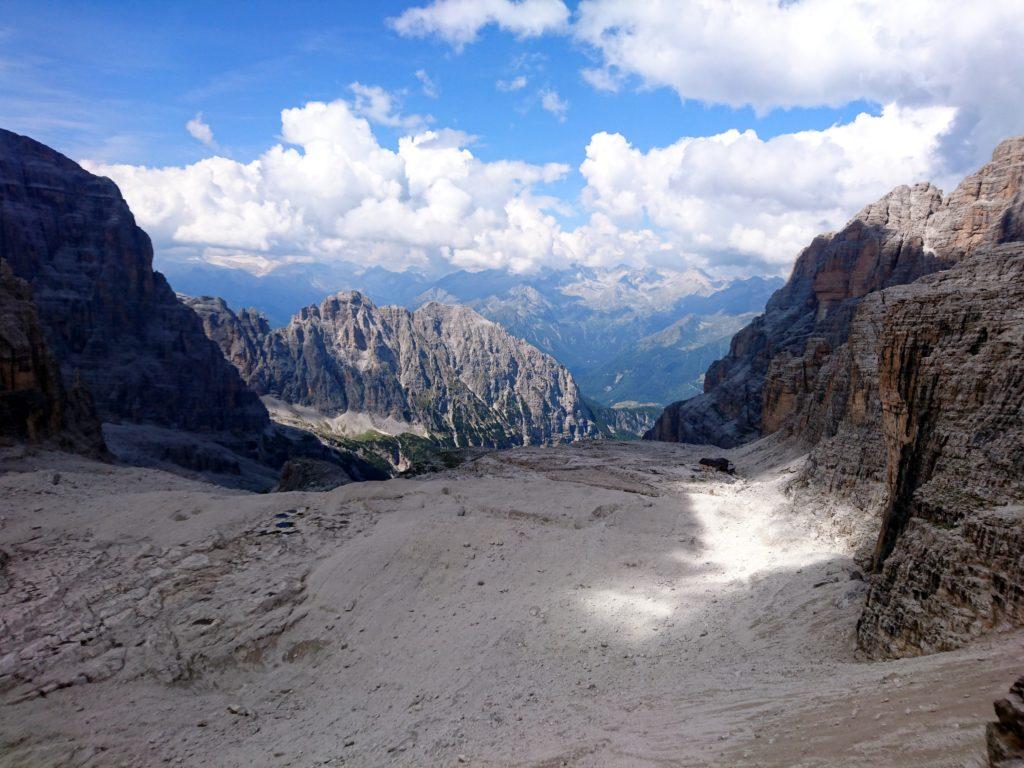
920,414
911,232
34,406
895,354
110,321
949,407
441,370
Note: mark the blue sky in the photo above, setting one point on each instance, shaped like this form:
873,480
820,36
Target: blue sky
116,83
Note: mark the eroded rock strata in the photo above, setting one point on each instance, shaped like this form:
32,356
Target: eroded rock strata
950,552
762,383
34,405
442,370
920,414
110,321
895,354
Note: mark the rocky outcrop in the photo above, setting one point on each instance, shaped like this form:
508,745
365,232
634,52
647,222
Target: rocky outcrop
110,321
31,394
441,370
1005,737
240,335
950,414
311,475
895,354
920,414
772,365
34,405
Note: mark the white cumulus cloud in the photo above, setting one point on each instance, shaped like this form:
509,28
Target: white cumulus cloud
737,199
381,107
551,102
770,54
331,191
200,131
459,22
733,203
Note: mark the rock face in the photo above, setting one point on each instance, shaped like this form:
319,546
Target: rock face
108,318
920,413
311,475
772,363
950,410
895,354
240,335
34,405
1005,737
443,370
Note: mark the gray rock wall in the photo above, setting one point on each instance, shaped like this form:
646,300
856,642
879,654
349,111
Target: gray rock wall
772,364
110,321
444,368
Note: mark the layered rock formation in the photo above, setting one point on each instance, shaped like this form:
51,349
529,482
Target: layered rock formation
920,413
442,370
895,354
34,406
108,318
950,395
772,363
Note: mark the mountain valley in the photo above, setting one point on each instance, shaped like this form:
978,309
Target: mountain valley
409,534
611,328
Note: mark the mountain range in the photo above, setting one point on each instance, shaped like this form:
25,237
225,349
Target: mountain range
96,351
93,335
629,336
441,372
881,391
892,358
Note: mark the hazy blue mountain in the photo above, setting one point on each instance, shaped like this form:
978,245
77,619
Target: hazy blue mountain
639,336
627,335
283,292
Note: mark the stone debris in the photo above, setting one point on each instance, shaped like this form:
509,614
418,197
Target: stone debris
718,464
1005,737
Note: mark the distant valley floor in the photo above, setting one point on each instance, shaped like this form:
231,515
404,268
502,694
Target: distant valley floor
600,604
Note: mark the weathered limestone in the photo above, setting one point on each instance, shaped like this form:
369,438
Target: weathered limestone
108,318
442,368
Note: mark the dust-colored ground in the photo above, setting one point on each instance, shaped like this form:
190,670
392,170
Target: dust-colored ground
591,605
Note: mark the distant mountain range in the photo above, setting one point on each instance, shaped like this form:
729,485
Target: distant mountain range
408,390
627,335
442,372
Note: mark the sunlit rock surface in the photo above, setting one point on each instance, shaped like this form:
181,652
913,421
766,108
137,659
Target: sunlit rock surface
443,370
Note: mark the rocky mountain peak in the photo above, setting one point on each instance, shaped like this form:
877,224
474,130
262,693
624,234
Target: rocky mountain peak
452,316
985,207
110,321
443,369
353,299
910,232
343,303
